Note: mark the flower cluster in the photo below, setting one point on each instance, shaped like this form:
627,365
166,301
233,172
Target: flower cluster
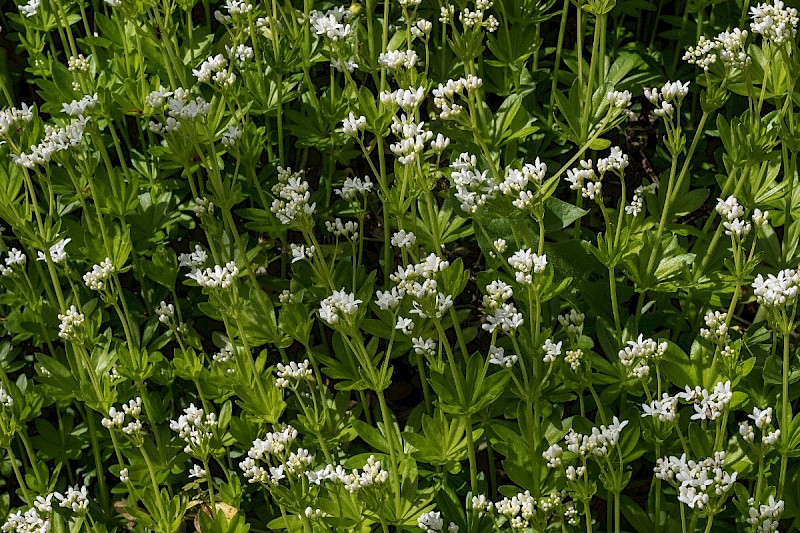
670,95
775,22
196,428
732,212
293,373
525,264
639,354
71,321
728,46
473,187
762,418
117,419
56,139
96,278
444,95
58,253
765,517
699,483
340,304
292,197
218,277
214,69
777,291
372,475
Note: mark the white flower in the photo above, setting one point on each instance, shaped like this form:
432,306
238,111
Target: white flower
619,99
197,472
424,346
765,517
396,59
777,291
430,522
352,125
497,357
404,325
57,252
96,278
77,500
5,399
774,22
339,304
331,24
165,312
665,410
553,456
30,8
195,427
551,351
404,239
525,262
71,320
231,135
353,187
293,372
300,252
292,197
219,277
195,259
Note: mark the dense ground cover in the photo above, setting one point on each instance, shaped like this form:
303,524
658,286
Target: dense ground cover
414,265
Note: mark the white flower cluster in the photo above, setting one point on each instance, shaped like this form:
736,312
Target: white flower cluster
478,19
116,419
57,252
31,521
242,53
444,95
638,355
472,186
29,9
352,187
522,509
432,521
348,230
352,125
332,23
775,22
13,116
372,475
728,46
637,202
497,356
196,428
765,517
708,405
340,304
237,7
526,263
397,59
301,252
195,259
597,444
96,278
671,94
230,136
277,444
762,418
71,320
165,312
697,481
291,196
77,500
732,211
423,346
515,183
716,329
157,98
572,322
15,258
777,291
6,400
500,313
218,277
407,99
293,373
421,29
552,351
418,281
403,239
56,139
583,178
619,99
77,108
412,137
214,69
180,106
665,409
